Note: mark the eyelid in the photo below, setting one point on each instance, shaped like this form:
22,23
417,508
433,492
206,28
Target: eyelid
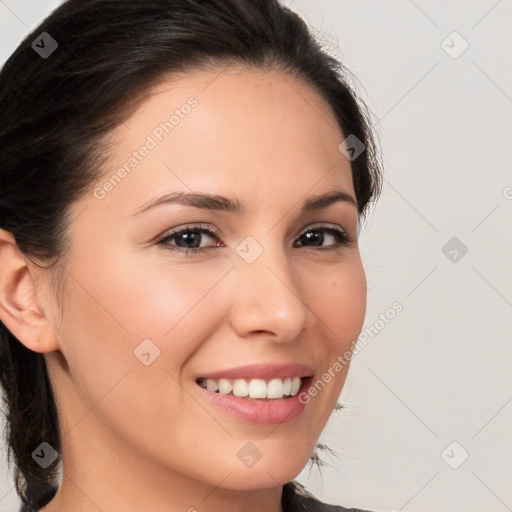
324,225
190,227
346,238
208,227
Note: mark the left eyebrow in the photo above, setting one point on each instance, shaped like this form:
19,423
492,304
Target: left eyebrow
322,201
221,203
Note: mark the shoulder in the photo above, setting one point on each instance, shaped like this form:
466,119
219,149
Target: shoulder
296,498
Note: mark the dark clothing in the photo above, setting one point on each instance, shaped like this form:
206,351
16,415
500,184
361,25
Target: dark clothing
295,498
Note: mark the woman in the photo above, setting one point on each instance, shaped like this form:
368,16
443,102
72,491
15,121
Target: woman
182,183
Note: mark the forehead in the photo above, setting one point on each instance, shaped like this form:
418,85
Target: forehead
242,86
235,102
234,131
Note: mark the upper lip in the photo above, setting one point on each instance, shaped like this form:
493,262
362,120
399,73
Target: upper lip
261,371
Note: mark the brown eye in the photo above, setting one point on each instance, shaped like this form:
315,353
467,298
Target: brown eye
188,239
314,237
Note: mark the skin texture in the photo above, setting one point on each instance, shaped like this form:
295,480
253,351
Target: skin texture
139,437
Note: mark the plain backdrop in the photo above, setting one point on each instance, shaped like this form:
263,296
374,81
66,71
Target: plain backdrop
428,398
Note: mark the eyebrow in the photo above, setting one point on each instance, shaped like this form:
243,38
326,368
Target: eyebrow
220,203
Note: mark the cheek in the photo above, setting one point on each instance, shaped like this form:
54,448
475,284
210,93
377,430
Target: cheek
338,298
169,301
111,311
128,301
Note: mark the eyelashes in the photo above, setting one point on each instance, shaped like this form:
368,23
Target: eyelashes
196,233
165,241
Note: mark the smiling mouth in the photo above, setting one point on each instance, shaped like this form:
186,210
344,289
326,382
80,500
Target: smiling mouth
255,389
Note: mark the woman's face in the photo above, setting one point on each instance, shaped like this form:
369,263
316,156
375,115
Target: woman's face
272,285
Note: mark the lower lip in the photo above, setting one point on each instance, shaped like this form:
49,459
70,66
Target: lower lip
268,412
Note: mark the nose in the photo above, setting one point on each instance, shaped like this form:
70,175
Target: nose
268,297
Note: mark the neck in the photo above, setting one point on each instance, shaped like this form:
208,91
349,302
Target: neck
102,474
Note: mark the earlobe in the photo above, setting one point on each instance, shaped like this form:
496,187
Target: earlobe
19,310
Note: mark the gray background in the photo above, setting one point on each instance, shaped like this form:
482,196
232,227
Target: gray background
429,413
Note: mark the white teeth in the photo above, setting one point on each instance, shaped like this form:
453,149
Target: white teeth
257,388
254,388
295,386
212,385
225,386
275,388
287,386
240,388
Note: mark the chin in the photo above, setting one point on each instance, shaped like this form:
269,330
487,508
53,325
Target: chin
261,476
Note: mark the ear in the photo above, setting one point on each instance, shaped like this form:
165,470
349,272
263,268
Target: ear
20,311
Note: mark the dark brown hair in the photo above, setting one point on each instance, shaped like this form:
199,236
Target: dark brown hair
56,112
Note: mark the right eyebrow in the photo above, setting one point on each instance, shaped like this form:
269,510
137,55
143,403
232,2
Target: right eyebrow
221,203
